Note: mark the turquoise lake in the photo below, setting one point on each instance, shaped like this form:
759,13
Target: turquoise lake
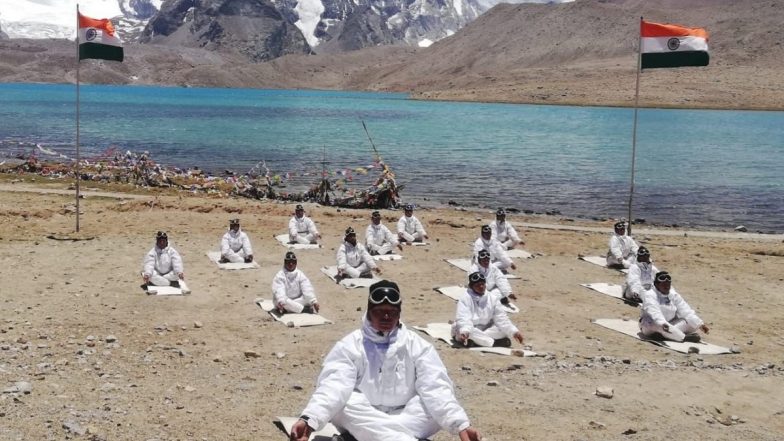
694,167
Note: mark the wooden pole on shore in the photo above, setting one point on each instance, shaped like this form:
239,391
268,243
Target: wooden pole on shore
634,129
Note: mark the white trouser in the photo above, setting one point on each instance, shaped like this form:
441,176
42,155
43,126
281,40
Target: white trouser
304,238
678,329
374,249
628,294
355,272
235,256
503,266
484,338
367,423
294,305
416,237
509,243
159,279
626,263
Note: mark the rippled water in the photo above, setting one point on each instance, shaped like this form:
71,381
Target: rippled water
694,167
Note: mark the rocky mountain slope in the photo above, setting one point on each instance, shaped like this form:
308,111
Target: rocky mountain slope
573,53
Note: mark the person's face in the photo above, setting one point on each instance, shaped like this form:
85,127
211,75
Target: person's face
162,243
663,287
486,235
234,227
384,317
484,262
352,239
290,265
500,218
620,230
645,258
299,213
375,220
479,287
409,213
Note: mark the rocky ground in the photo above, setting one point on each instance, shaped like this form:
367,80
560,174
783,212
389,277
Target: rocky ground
85,354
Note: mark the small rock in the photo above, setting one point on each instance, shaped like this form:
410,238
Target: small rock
251,354
296,387
492,383
197,324
741,229
597,425
280,354
74,427
629,432
111,339
604,392
750,342
735,350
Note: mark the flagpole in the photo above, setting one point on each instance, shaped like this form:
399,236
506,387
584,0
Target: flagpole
77,118
634,130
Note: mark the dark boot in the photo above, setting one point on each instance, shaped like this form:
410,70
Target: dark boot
502,343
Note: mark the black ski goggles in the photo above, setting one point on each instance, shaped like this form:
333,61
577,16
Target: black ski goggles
384,294
161,235
476,277
663,277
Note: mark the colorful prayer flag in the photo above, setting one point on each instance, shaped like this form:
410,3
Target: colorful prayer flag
97,39
667,45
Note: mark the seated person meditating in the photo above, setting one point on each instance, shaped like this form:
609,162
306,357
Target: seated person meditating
384,383
162,264
409,229
640,276
480,320
292,290
495,281
378,239
623,249
353,259
235,245
498,255
666,315
302,229
504,232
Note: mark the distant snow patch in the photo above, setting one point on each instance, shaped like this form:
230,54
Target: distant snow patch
309,12
425,42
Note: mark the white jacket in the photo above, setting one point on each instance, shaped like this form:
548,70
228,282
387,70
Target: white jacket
304,225
353,256
163,261
292,285
640,277
388,378
482,312
621,247
494,278
232,242
378,235
659,309
495,248
503,231
410,225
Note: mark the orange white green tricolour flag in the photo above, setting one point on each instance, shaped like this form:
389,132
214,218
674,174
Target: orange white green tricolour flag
97,38
668,45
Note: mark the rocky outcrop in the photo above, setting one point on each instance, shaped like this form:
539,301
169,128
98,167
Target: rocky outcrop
253,28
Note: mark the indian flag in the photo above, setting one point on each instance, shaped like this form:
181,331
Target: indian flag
97,39
667,45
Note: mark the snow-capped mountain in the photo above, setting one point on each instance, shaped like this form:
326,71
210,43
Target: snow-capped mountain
57,18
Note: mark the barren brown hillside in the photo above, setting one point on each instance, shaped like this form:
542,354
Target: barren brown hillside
573,53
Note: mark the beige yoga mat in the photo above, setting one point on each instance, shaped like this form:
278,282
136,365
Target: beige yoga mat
290,319
332,273
632,329
608,289
443,332
465,265
455,292
284,240
168,290
286,423
516,253
387,257
214,256
601,261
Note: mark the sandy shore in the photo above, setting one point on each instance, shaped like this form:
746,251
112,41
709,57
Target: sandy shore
213,366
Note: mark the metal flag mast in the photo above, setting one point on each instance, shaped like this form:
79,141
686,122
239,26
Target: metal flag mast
76,170
634,129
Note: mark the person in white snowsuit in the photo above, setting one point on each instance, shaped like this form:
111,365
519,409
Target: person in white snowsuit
384,383
665,313
504,232
292,290
409,229
495,281
378,239
235,245
353,259
302,229
498,255
623,249
162,264
480,319
640,276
